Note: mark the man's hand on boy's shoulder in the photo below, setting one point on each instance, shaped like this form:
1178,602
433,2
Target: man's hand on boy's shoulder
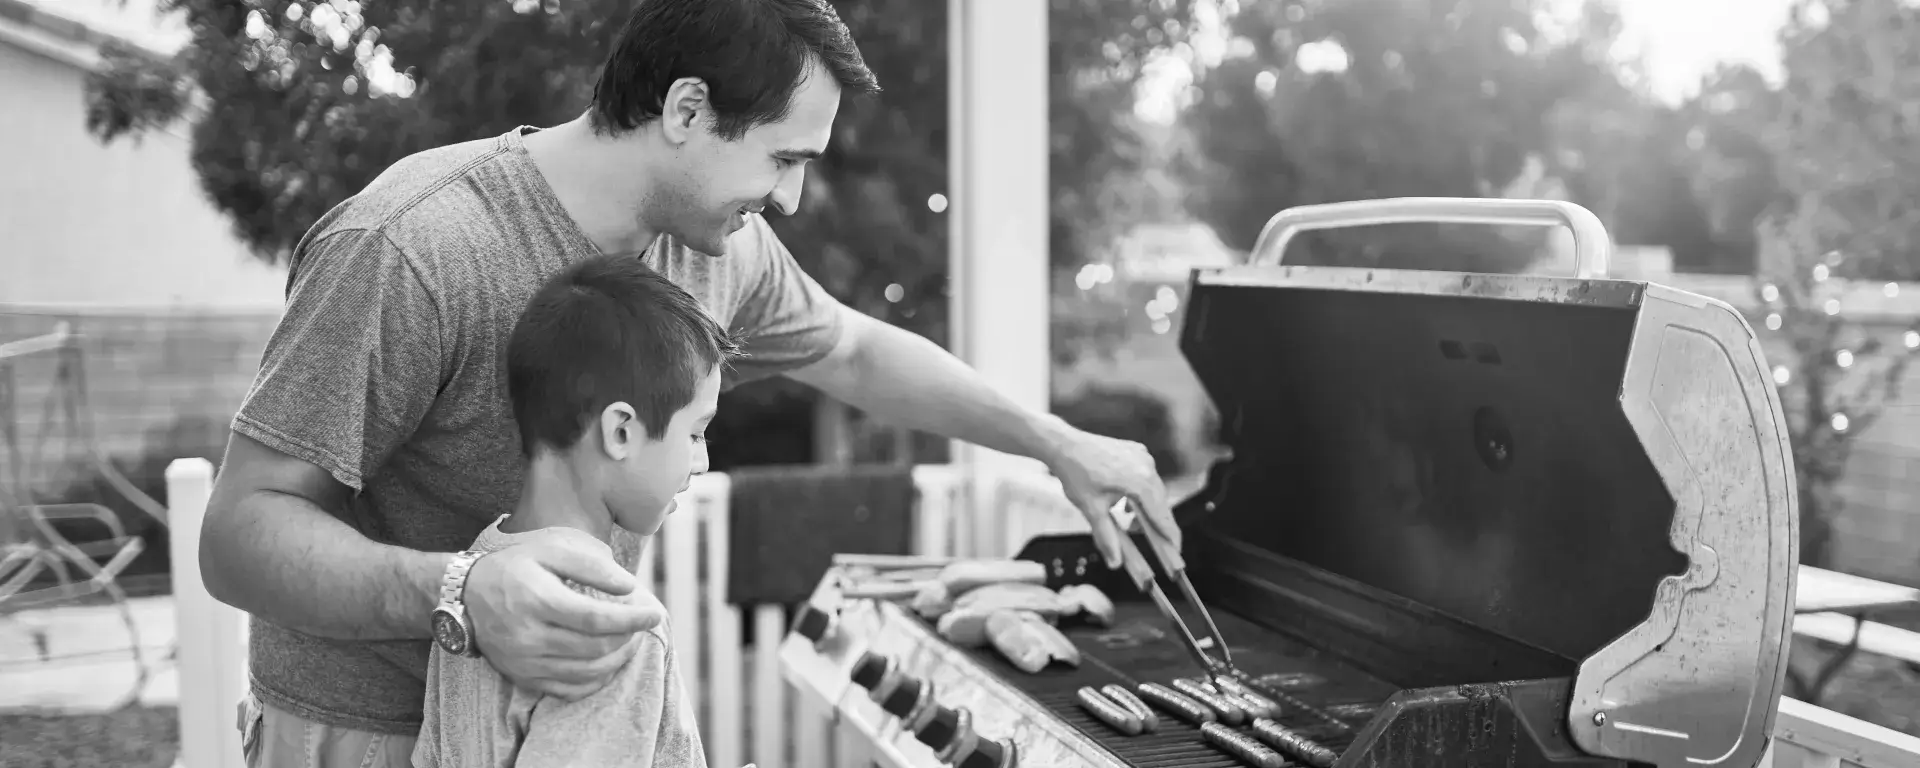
540,633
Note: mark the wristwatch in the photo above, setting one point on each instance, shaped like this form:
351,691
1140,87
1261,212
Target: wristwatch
452,627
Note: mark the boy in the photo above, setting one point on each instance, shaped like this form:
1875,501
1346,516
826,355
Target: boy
613,374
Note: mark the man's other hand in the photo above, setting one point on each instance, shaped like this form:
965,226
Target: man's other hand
1097,472
540,633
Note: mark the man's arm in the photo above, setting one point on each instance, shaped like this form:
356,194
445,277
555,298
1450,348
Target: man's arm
906,380
269,541
795,327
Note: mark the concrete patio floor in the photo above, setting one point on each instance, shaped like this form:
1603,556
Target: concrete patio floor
88,663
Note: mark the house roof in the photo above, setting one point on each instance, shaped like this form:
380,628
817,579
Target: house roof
74,31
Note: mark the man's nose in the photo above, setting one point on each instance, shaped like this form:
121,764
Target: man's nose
699,463
786,194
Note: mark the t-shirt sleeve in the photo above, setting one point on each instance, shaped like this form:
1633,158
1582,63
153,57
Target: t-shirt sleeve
787,320
641,717
355,361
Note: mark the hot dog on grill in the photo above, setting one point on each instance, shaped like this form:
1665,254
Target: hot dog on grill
1253,704
1104,709
1171,701
1123,697
1242,746
1287,740
1228,712
1261,706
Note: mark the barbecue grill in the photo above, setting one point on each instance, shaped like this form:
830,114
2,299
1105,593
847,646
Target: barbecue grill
1468,520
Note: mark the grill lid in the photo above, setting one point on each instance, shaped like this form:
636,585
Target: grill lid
1596,468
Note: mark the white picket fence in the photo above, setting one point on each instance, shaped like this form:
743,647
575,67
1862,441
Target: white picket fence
748,712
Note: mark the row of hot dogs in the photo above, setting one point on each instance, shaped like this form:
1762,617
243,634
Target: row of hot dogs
1218,707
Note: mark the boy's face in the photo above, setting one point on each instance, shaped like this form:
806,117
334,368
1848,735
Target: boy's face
648,473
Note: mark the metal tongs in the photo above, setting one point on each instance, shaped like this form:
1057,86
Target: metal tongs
1176,568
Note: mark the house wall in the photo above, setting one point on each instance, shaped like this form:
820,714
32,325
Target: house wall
124,224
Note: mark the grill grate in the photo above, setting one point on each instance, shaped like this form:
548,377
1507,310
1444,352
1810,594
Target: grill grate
1323,698
1177,744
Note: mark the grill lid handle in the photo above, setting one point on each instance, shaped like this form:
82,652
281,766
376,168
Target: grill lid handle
1592,248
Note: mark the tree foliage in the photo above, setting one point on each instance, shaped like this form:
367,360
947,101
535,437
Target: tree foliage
1321,102
1823,169
296,105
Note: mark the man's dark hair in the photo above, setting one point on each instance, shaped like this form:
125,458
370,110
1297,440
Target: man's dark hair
608,329
751,53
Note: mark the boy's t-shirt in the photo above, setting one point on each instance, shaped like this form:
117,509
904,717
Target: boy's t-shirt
477,719
387,370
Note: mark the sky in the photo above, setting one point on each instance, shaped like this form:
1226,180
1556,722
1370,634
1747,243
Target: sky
1676,41
1681,40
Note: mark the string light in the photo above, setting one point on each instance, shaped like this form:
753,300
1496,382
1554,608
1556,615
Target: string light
895,292
937,203
1820,273
1840,422
1844,358
1891,290
1781,375
1091,275
1832,306
1770,293
1773,321
1913,339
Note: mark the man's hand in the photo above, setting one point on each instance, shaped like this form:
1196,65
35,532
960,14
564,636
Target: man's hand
1097,472
540,633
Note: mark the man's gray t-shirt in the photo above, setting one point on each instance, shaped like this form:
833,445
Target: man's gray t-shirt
388,371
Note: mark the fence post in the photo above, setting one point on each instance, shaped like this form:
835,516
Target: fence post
212,655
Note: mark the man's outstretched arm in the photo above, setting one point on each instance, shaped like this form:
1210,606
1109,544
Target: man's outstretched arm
906,380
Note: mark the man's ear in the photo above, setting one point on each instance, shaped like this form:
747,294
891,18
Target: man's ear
619,427
684,107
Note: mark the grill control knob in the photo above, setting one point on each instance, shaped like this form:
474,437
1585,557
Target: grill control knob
870,670
940,730
986,754
813,624
900,702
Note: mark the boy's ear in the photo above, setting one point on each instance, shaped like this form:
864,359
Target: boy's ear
619,427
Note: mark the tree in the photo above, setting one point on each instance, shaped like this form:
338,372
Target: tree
1841,132
1320,102
296,104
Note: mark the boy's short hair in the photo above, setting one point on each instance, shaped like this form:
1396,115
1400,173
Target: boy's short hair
608,329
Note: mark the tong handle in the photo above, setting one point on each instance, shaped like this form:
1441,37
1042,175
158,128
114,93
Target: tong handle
1125,514
1135,563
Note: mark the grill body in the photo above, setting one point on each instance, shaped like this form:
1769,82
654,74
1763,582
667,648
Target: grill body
1467,520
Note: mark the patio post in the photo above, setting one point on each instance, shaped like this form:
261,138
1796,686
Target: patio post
997,161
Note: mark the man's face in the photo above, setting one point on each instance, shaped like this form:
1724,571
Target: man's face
719,183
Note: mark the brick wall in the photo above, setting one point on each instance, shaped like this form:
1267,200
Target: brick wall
161,385
1878,532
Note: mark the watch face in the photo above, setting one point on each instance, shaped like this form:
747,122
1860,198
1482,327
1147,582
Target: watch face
448,633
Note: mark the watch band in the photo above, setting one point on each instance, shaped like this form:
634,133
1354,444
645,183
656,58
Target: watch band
453,582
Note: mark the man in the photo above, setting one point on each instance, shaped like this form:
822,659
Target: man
377,440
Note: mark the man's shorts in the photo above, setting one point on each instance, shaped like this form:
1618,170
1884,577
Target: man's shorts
274,738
